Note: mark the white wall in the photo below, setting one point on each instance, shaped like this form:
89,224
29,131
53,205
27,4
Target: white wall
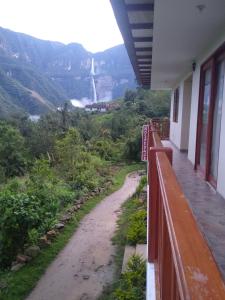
221,165
194,114
175,127
186,113
179,131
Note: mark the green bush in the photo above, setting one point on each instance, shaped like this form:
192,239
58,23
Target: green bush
19,213
133,281
142,184
137,227
33,236
27,214
13,160
64,194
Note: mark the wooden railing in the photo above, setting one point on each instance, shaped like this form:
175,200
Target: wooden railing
185,266
162,126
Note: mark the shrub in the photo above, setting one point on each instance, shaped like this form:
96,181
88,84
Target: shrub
133,146
142,183
13,157
25,215
18,214
137,227
133,281
64,195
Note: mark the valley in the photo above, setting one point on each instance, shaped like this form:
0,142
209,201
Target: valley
37,76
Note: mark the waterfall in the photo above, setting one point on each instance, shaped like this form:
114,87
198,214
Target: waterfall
92,74
92,67
94,90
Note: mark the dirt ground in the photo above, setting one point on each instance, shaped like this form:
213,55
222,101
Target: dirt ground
86,264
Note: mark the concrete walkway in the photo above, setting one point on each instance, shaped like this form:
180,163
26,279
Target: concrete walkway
86,265
207,205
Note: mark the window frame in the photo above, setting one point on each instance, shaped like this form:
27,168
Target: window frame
176,96
211,63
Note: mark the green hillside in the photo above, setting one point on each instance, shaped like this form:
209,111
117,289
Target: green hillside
57,72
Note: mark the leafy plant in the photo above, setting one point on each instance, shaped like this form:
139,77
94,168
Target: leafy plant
12,152
133,281
137,227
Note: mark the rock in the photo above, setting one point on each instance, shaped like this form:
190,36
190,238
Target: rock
51,235
17,267
141,172
86,277
59,226
84,296
145,189
70,210
98,268
74,208
32,251
78,201
143,197
66,218
43,241
14,263
110,262
78,206
21,258
3,284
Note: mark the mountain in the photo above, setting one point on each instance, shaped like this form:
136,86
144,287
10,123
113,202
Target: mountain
37,75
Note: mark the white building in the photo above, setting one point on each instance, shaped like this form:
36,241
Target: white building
179,45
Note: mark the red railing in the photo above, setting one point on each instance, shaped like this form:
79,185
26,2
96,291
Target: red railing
162,126
185,266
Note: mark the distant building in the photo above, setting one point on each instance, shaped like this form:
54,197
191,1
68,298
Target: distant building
101,107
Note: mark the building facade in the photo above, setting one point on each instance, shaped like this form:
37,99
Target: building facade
179,45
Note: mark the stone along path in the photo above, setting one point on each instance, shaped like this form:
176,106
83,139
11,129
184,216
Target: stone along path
86,265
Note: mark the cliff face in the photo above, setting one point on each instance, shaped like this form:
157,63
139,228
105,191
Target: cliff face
57,72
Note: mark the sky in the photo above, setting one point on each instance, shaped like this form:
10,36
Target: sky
88,22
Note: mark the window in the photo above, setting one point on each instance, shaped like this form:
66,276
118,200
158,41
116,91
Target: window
176,105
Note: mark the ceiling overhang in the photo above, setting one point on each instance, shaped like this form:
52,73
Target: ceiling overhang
183,31
135,20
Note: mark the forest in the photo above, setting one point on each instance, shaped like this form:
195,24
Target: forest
47,165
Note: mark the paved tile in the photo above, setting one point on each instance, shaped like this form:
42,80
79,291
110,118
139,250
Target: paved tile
207,205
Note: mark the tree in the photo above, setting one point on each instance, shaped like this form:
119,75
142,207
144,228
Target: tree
130,96
13,157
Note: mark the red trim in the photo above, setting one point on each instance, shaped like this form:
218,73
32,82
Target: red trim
210,63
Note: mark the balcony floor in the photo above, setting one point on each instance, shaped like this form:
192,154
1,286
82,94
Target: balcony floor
208,207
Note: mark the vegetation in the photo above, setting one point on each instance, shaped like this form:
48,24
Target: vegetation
47,166
62,157
137,227
131,230
132,283
55,71
19,284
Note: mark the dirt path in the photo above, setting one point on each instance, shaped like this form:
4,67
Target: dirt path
85,265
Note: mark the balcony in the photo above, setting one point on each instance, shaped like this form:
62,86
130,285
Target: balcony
186,230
